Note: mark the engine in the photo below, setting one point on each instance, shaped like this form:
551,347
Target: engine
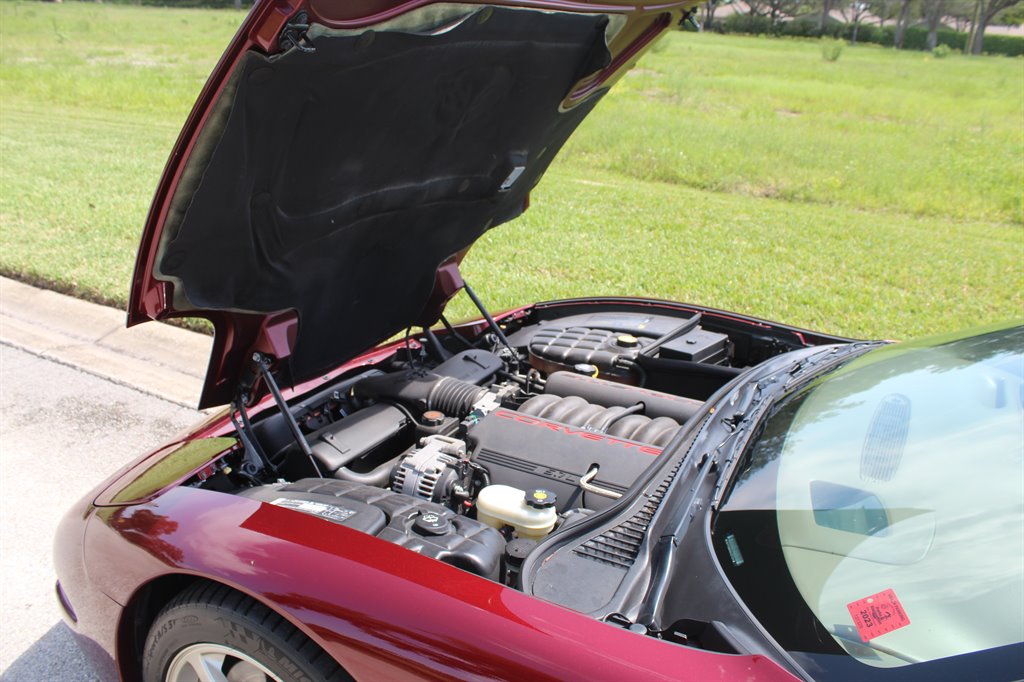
583,439
475,458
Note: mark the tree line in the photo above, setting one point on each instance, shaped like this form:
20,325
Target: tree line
815,17
819,17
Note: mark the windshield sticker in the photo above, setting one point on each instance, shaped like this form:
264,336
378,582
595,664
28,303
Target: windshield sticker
878,614
327,511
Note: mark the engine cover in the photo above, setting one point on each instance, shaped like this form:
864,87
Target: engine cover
528,452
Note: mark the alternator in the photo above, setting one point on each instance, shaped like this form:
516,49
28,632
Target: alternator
430,471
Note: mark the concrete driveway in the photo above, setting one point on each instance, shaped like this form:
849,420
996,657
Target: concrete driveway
76,402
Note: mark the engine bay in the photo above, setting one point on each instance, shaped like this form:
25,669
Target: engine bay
473,444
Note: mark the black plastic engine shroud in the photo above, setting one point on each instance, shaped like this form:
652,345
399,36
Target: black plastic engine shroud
453,539
527,452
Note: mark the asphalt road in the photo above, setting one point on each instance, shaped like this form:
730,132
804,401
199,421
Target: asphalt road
61,431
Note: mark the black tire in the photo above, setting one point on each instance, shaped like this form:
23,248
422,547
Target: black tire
206,613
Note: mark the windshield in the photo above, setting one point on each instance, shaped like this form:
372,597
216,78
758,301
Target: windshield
879,515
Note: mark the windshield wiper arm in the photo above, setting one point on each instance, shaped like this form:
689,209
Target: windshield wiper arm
765,391
825,359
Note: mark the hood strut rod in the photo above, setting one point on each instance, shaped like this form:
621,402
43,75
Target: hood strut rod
255,458
487,316
263,367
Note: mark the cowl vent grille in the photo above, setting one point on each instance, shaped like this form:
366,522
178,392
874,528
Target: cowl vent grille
620,545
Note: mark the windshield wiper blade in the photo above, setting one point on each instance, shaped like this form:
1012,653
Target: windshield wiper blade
826,358
766,391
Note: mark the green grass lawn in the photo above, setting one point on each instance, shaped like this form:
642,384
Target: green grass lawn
878,195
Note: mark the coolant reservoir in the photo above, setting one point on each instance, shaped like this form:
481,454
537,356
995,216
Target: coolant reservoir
532,514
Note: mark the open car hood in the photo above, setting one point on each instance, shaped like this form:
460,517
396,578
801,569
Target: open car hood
343,156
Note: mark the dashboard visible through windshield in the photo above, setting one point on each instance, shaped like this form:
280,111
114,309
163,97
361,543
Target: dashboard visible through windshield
878,518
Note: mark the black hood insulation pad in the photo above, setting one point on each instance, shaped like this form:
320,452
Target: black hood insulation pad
342,178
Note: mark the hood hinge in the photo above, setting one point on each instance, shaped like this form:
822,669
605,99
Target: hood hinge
295,35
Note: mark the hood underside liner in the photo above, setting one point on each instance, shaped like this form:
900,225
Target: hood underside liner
334,183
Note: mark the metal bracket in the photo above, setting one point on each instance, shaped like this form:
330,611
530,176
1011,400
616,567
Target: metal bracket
295,35
690,17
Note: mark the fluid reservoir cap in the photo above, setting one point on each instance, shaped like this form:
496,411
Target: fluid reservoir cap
433,417
432,523
539,498
627,341
585,368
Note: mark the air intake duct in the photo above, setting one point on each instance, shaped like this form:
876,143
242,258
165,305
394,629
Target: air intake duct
422,390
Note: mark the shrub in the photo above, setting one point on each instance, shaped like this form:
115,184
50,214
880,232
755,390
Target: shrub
745,23
802,28
831,49
866,33
916,38
941,51
1012,46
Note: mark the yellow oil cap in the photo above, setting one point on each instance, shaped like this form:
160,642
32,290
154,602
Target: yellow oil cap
627,341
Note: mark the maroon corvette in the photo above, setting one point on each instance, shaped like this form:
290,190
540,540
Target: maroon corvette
602,488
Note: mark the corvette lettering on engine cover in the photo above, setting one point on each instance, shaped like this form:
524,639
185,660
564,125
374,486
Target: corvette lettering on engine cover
528,452
576,431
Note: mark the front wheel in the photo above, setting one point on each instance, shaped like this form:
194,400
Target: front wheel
210,633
